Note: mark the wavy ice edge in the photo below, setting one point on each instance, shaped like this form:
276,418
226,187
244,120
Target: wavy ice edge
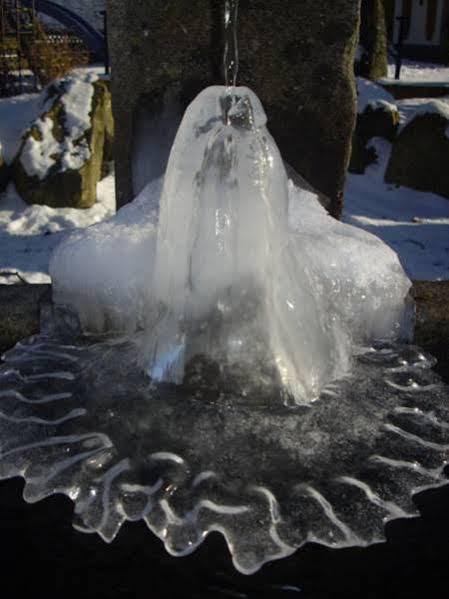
269,478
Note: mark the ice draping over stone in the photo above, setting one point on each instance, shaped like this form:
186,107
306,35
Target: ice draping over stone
239,266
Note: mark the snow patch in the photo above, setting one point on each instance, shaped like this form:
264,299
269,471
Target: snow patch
411,109
373,95
29,234
417,71
413,223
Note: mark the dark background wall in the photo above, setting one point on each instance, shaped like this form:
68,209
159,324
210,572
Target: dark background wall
297,55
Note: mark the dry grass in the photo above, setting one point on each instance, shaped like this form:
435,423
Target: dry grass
53,57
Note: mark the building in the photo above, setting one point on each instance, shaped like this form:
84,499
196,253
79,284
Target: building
89,10
425,27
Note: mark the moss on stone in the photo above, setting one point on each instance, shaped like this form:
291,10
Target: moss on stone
72,188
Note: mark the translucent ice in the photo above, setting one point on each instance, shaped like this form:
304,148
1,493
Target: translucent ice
228,279
242,268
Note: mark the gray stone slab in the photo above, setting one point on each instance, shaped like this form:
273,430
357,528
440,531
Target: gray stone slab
296,56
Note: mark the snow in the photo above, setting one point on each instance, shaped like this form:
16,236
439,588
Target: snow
412,108
29,234
371,94
413,223
39,155
416,71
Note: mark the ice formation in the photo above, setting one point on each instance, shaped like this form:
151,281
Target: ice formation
174,375
223,273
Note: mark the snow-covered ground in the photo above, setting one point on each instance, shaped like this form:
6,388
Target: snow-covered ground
414,223
413,70
29,234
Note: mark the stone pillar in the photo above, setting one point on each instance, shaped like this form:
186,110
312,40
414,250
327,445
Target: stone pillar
373,39
296,55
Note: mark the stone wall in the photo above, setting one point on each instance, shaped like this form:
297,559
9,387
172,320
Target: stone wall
297,57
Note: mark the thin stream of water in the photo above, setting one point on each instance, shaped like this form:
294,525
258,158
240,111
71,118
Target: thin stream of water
231,51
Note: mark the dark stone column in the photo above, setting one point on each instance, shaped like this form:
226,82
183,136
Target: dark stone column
297,55
373,39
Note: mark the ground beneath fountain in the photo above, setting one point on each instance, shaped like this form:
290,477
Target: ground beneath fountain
44,556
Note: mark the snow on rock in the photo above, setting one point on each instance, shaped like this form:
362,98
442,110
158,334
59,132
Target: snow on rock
60,160
44,148
374,95
413,108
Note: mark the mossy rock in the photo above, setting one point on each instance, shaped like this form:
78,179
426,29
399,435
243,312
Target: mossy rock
432,320
109,130
61,184
379,119
420,154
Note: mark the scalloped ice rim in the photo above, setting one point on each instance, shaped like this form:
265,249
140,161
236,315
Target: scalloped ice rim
114,512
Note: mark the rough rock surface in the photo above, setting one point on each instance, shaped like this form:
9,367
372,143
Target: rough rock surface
19,312
296,56
373,40
432,320
379,119
66,156
419,157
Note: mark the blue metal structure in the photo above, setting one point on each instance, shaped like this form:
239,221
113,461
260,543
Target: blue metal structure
94,40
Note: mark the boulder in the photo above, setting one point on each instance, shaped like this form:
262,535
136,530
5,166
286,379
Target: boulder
297,57
60,160
420,154
377,116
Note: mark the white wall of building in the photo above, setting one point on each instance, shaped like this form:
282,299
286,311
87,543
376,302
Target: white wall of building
417,32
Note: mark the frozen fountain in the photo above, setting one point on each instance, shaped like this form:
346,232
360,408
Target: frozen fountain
222,355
